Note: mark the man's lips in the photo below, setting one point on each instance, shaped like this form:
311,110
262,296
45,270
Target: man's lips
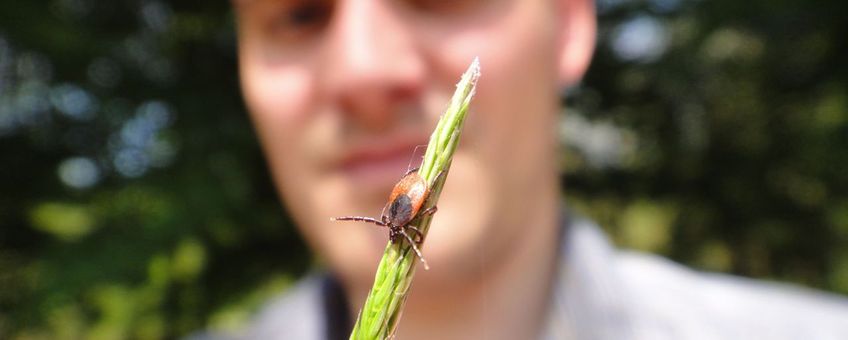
382,163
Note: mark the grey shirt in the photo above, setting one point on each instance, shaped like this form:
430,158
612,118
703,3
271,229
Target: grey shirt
604,293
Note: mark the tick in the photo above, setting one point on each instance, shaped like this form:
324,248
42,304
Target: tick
405,203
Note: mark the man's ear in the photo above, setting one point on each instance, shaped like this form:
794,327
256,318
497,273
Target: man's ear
577,27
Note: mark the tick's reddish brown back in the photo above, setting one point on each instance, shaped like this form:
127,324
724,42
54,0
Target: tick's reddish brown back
406,199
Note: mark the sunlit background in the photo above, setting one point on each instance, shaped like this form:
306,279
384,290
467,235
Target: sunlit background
134,202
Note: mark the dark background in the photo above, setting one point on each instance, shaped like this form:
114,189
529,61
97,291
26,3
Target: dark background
134,201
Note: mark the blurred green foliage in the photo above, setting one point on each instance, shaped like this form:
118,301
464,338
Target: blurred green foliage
134,202
720,140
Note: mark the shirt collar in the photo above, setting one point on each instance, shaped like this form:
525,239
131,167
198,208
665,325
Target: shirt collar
588,298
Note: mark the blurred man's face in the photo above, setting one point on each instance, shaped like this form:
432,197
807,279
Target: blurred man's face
342,92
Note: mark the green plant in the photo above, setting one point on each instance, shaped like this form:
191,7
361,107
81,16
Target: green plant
379,318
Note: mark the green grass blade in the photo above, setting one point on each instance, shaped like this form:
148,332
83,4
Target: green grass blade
379,318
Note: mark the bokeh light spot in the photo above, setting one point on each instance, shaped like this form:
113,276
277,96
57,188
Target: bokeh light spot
79,172
641,39
67,222
73,101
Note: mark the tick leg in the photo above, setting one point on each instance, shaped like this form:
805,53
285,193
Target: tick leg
413,155
417,233
411,171
415,248
429,211
360,219
438,176
392,235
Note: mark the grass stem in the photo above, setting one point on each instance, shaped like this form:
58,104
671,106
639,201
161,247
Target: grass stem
379,318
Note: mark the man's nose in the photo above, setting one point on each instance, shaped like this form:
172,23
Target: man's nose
372,65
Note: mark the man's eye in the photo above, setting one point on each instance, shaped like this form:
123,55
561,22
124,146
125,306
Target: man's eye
301,20
312,13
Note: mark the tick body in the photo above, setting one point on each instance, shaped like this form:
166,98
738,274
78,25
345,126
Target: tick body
404,205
